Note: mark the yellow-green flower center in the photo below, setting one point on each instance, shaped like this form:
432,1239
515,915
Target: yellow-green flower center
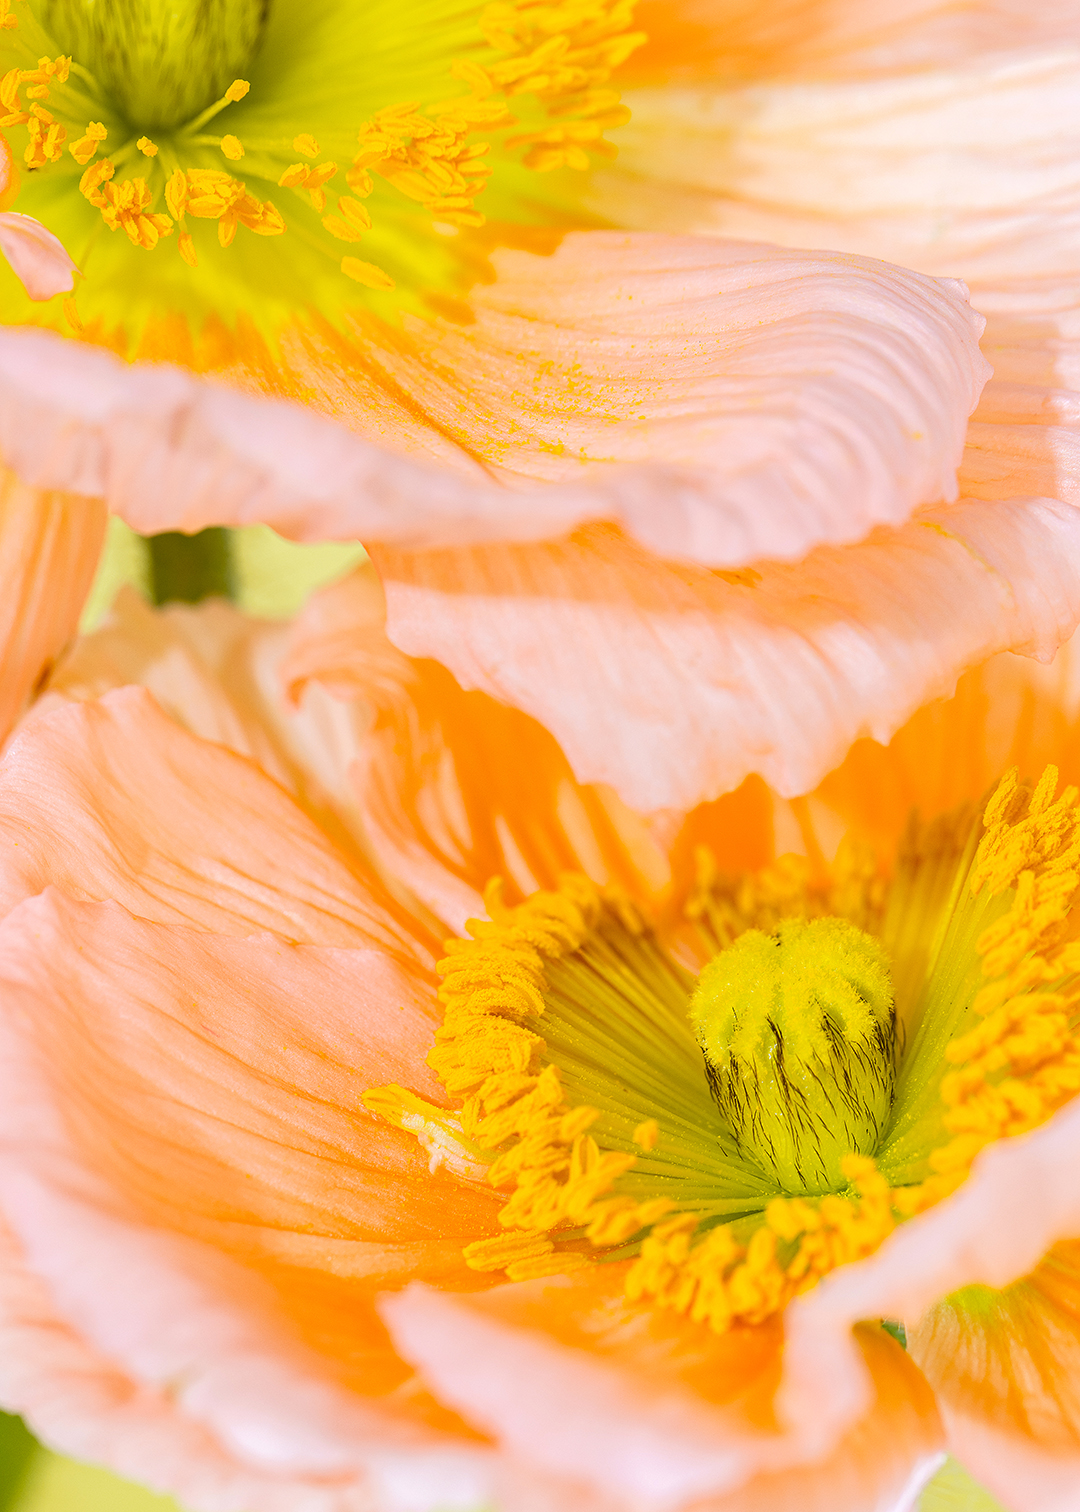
573,1039
224,172
160,62
797,1029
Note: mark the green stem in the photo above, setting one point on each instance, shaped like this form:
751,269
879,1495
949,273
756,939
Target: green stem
17,1450
187,568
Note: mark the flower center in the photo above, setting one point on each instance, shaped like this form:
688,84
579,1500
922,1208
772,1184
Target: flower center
161,62
849,1097
797,1029
295,167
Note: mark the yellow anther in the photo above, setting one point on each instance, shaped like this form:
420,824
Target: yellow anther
237,90
351,222
71,315
83,150
306,145
146,147
232,147
366,273
187,249
646,1134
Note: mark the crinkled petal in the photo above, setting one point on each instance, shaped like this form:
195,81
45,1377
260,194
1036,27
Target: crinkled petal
38,259
455,788
583,1387
112,799
49,549
164,1087
671,684
722,402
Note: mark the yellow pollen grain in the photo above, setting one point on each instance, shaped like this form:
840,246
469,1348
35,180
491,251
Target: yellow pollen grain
147,147
646,1134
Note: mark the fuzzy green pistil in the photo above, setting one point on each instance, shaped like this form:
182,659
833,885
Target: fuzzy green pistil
797,1031
160,61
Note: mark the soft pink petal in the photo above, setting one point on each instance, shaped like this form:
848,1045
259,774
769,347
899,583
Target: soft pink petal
723,402
664,1414
37,257
153,1080
1023,1475
215,671
1020,1199
114,800
965,169
671,684
454,788
49,548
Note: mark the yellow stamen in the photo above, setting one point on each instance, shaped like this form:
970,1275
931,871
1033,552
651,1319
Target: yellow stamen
1022,1061
306,145
83,150
147,147
366,273
646,1134
232,147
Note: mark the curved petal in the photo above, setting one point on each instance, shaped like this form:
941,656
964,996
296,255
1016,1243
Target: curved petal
38,259
723,402
671,684
1019,1201
664,1412
49,549
215,671
112,799
454,788
161,1087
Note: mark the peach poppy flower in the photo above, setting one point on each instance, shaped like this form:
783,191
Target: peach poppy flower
262,1245
692,502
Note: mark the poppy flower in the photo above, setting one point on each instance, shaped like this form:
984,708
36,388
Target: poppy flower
288,1224
692,502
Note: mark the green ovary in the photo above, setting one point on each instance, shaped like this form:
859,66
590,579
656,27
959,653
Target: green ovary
797,1032
161,63
150,73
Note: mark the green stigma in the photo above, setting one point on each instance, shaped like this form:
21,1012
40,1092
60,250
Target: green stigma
160,62
798,1033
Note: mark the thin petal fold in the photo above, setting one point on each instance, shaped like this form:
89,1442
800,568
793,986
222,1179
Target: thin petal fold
49,548
722,402
670,684
38,259
662,1412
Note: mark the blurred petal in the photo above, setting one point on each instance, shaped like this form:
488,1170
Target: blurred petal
37,257
455,788
49,548
665,1411
159,1084
723,402
114,800
670,684
215,671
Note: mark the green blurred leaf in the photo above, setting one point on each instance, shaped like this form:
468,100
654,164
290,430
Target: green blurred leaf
18,1447
954,1490
56,1484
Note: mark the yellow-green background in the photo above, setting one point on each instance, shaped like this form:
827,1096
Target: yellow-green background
272,577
